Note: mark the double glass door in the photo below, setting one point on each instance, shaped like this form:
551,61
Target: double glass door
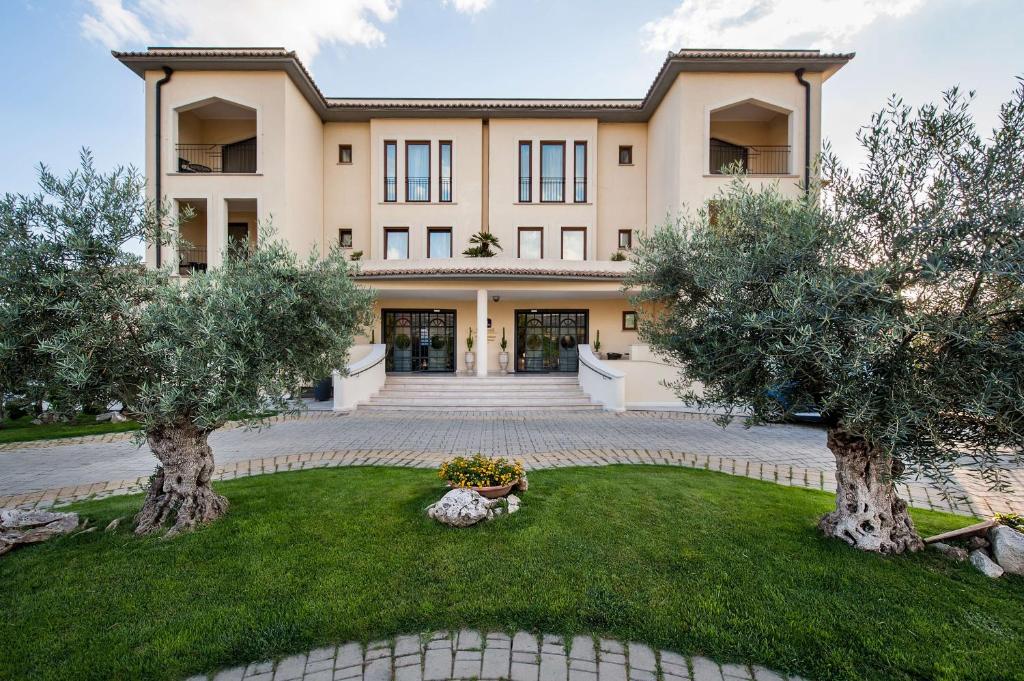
419,340
547,340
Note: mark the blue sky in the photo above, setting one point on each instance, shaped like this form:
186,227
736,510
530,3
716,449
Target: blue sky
63,90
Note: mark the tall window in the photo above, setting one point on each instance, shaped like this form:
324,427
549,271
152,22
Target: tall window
417,171
390,170
525,172
444,167
574,243
396,243
552,171
579,193
531,243
439,242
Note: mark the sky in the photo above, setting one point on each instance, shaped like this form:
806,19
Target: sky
63,90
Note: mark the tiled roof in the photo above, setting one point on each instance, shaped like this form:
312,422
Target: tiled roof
493,267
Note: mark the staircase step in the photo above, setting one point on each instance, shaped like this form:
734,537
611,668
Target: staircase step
369,406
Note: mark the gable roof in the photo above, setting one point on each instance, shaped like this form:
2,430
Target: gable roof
356,108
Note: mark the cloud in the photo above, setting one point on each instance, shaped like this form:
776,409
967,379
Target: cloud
823,24
301,25
467,6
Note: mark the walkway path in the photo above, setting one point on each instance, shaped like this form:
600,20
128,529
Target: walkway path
471,655
57,471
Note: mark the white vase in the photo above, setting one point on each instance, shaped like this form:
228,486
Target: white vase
503,361
470,362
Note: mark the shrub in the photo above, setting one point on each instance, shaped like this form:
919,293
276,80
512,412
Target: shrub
480,471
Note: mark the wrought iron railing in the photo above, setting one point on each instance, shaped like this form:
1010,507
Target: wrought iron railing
552,189
754,159
417,189
525,189
444,189
390,189
191,259
579,194
239,157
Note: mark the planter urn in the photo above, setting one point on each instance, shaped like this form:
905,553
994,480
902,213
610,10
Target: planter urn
503,361
470,361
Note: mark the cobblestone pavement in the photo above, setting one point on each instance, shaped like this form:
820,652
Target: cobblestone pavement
444,655
55,471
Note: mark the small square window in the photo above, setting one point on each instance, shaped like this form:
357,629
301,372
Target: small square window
625,239
345,238
345,153
629,321
625,155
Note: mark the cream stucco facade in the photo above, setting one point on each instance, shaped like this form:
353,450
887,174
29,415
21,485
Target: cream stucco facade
564,185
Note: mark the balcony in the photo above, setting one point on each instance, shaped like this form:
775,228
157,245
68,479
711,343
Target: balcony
192,259
238,157
417,189
751,136
552,189
758,159
216,136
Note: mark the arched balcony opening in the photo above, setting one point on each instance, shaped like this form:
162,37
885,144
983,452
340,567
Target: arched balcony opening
750,135
216,136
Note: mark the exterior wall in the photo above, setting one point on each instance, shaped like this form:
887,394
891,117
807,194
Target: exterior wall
347,189
621,189
507,214
462,214
303,224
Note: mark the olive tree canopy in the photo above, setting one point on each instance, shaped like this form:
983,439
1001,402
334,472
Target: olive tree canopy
895,306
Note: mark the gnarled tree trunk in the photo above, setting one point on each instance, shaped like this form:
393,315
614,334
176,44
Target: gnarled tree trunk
180,493
869,515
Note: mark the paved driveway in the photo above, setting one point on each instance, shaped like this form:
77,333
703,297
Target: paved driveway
57,465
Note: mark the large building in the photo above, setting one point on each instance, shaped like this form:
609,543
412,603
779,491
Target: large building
245,135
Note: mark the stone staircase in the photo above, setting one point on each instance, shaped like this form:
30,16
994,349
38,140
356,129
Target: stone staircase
511,392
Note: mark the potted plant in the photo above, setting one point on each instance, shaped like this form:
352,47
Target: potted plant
438,352
597,344
470,357
503,355
482,245
490,477
356,256
403,352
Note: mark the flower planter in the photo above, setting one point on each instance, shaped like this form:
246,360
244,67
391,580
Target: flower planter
492,492
503,361
470,361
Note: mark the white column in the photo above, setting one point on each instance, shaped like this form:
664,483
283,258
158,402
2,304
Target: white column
481,332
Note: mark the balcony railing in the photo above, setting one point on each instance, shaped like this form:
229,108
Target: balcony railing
390,189
525,190
239,157
552,189
579,192
444,189
191,260
417,189
754,159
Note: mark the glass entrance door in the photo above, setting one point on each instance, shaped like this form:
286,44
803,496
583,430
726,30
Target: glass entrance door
547,340
419,340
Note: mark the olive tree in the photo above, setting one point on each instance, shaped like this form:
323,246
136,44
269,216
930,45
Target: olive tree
183,355
894,304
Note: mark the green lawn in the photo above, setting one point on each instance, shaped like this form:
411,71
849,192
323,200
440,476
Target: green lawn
693,561
23,430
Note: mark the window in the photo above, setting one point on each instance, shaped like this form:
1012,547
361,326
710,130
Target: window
444,171
390,170
629,321
531,243
345,154
396,243
574,243
625,239
625,155
345,238
525,170
417,171
552,172
439,242
579,193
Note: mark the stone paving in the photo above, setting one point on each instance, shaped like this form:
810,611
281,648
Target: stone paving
57,471
466,654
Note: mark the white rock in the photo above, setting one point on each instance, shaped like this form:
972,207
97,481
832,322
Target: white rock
954,552
985,565
461,508
513,503
105,416
1008,548
28,527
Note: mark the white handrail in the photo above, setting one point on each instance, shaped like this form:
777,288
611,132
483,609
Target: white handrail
601,382
364,378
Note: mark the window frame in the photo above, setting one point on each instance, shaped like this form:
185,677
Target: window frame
451,241
519,240
529,167
574,229
636,323
576,177
341,237
629,239
629,149
393,144
440,171
416,143
554,143
342,148
396,230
